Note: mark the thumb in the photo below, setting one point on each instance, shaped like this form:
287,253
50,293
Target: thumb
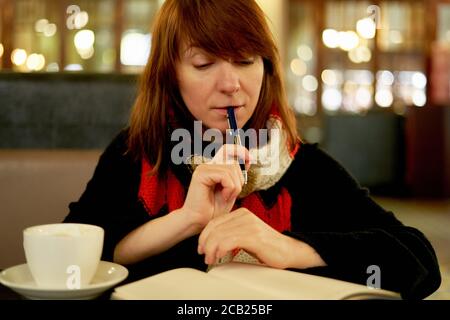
221,205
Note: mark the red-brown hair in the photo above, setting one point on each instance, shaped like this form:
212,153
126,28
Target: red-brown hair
224,28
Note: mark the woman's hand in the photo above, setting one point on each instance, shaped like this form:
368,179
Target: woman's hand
215,186
242,229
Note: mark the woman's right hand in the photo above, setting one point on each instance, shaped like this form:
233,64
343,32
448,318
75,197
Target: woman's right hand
214,188
215,185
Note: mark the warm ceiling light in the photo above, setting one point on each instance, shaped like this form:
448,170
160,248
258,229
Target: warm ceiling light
84,39
348,40
330,38
366,28
18,56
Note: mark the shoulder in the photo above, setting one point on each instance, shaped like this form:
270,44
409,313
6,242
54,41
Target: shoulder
116,153
312,155
118,147
313,163
119,144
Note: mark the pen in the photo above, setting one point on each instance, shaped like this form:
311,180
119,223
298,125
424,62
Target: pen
232,124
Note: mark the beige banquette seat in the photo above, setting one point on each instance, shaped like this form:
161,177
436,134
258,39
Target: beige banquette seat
36,187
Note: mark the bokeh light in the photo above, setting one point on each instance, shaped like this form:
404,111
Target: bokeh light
19,57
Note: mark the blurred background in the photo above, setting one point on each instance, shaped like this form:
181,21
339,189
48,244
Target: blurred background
369,81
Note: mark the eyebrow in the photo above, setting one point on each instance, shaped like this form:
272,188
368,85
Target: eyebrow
192,51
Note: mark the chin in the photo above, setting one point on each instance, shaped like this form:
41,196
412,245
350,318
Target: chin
221,126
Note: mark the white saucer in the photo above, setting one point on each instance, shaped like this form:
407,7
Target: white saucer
20,280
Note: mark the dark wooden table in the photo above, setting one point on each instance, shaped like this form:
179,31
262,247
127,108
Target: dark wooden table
7,294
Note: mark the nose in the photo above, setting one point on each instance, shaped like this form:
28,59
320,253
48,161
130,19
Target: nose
228,79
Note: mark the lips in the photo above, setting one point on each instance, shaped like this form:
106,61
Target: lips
223,110
226,107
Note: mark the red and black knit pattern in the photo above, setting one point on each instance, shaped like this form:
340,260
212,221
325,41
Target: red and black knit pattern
155,193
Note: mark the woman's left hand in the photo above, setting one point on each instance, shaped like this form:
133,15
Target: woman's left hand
242,229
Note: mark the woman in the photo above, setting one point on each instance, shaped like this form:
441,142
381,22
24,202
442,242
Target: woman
305,213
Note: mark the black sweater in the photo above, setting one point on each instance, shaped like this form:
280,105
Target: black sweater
330,211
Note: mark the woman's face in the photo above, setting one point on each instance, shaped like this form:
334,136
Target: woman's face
209,84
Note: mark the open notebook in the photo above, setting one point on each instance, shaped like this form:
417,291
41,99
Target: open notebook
240,281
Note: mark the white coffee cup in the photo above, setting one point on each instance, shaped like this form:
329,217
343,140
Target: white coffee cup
63,255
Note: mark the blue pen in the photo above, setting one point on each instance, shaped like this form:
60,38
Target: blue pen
232,124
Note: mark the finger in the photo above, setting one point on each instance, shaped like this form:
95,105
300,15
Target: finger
204,235
209,228
222,207
235,174
231,193
220,241
210,247
212,175
238,178
225,240
241,155
238,152
230,152
225,247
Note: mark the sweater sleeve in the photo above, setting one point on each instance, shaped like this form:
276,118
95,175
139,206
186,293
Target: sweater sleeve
353,234
110,198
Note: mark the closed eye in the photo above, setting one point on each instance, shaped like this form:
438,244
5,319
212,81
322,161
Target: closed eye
202,66
245,62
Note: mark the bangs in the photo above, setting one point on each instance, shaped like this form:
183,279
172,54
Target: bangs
226,29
